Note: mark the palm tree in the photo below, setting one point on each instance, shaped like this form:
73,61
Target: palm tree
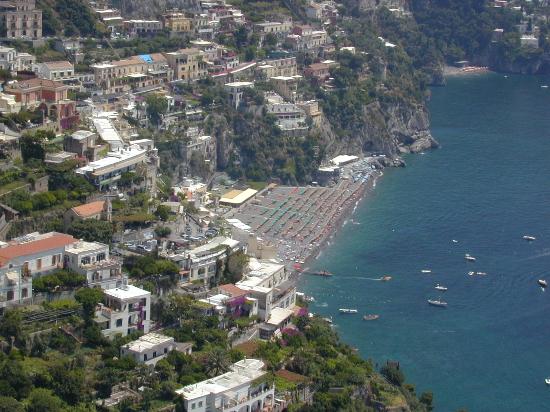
217,362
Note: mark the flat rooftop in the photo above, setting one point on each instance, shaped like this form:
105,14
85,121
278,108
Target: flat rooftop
127,292
83,247
148,341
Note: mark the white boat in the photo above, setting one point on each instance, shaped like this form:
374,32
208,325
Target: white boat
455,241
469,258
441,287
471,273
426,271
544,86
438,303
547,380
529,238
348,311
543,283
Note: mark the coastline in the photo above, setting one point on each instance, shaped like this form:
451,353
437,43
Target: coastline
450,71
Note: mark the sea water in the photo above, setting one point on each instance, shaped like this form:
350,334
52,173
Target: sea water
486,187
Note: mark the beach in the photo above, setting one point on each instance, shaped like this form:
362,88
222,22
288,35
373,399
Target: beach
300,220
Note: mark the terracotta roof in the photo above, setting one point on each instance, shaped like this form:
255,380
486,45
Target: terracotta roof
58,65
89,209
291,376
53,241
232,290
36,82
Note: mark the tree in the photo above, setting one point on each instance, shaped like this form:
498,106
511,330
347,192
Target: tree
10,324
43,400
162,231
163,212
216,362
236,264
8,404
393,374
156,107
32,146
92,230
89,298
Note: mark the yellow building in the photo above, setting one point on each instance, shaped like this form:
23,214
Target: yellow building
177,22
187,64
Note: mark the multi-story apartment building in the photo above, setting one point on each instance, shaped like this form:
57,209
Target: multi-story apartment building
124,310
240,389
48,96
187,64
92,259
22,19
177,23
36,253
119,76
201,263
278,67
15,287
268,281
58,70
142,28
305,37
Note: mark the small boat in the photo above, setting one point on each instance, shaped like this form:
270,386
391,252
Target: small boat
544,86
471,273
529,238
542,283
438,303
441,287
324,273
385,278
547,381
469,258
371,317
426,271
455,241
347,311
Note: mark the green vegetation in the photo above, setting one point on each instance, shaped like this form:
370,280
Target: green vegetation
69,18
58,280
145,266
92,230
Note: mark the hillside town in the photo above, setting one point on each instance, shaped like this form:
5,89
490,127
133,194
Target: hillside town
125,216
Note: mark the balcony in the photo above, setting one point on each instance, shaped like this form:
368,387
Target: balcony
260,400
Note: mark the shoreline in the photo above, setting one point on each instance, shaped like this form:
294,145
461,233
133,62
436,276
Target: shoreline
338,223
452,71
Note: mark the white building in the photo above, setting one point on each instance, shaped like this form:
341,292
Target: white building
269,283
125,309
36,253
58,70
92,260
15,288
234,391
149,349
235,91
201,263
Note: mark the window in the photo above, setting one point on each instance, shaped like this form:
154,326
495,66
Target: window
10,295
193,405
24,293
154,354
100,257
119,323
38,264
200,404
145,357
165,350
85,260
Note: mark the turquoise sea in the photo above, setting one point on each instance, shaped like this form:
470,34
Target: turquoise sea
487,186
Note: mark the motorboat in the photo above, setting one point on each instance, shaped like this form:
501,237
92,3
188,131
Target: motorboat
542,283
426,271
347,311
455,241
437,302
385,278
469,258
441,287
371,317
547,381
544,86
529,238
471,273
324,273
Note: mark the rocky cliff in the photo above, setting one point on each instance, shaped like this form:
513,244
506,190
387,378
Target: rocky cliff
392,129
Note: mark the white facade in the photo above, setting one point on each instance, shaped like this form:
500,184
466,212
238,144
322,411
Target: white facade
36,253
235,91
269,283
92,260
15,288
59,71
233,391
149,349
126,309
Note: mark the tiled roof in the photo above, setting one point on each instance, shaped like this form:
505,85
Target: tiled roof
58,65
89,209
55,240
232,290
